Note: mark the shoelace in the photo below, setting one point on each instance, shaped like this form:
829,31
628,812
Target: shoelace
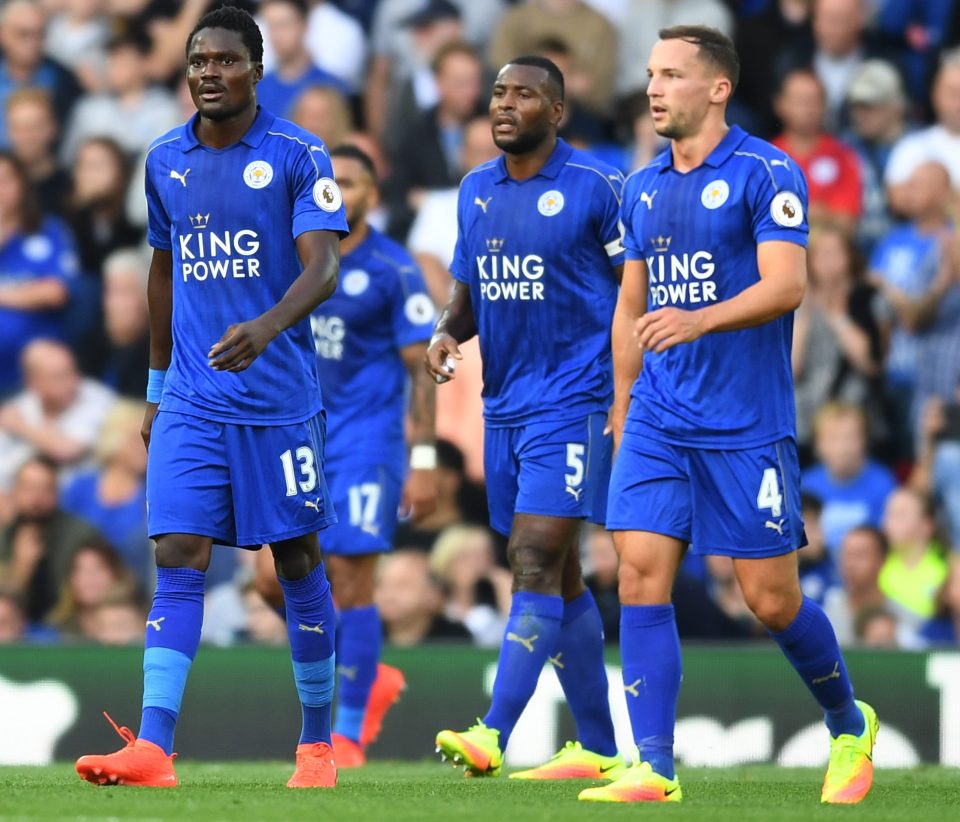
126,734
567,748
480,726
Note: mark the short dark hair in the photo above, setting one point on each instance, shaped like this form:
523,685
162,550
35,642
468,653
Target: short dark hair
235,19
448,50
352,152
554,75
135,39
715,48
879,538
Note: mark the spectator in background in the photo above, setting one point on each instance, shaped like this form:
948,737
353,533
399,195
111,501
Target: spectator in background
130,110
410,601
77,37
863,552
818,571
939,143
601,571
476,590
590,37
118,621
124,354
763,41
915,568
323,111
914,271
937,469
37,267
263,625
577,125
58,415
878,119
286,29
853,488
837,340
831,168
944,628
877,628
96,574
13,621
33,131
37,545
428,156
23,64
113,497
406,35
638,34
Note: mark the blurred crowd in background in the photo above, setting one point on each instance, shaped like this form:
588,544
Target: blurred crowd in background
864,95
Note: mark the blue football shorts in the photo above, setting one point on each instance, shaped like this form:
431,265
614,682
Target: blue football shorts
239,484
558,468
742,503
366,494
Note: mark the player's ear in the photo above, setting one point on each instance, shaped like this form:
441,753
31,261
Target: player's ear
722,89
556,114
257,72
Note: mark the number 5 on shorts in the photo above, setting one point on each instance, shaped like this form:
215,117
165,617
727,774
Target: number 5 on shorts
307,470
769,495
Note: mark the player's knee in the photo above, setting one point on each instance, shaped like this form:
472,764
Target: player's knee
183,551
639,585
295,558
535,567
776,609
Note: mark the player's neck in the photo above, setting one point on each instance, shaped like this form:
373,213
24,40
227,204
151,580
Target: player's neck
223,133
357,235
527,165
690,152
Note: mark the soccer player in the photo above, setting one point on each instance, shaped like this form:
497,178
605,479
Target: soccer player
536,269
705,434
245,222
370,335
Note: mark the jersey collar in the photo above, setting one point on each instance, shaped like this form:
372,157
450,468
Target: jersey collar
252,137
718,156
555,162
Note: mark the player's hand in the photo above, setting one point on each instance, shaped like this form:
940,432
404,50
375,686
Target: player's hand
441,357
666,327
240,345
616,417
147,426
420,494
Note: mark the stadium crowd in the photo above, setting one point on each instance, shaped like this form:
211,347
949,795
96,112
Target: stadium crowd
864,95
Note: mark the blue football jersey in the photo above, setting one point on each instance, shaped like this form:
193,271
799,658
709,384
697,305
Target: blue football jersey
698,234
231,218
380,307
539,257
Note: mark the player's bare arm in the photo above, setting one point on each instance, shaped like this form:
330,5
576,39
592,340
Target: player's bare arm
456,325
420,489
783,277
242,343
160,302
627,356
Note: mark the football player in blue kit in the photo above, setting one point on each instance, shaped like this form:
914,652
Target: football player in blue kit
371,337
536,270
245,220
705,431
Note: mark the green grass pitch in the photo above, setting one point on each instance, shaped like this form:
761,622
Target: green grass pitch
398,792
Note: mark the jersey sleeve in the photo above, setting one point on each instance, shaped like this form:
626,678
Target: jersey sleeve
413,310
608,217
460,268
317,202
158,221
779,203
631,243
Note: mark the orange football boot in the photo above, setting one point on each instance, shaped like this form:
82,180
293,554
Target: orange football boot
386,690
315,767
347,753
140,764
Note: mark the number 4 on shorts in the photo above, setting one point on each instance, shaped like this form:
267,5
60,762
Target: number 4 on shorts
769,495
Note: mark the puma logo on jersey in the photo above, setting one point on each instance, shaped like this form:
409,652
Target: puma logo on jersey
176,175
311,504
313,629
834,674
775,526
574,492
155,623
785,163
632,687
524,641
482,203
555,661
648,199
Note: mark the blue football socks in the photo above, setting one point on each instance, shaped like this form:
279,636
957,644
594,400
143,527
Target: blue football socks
652,670
311,626
359,639
531,635
583,676
172,638
810,645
